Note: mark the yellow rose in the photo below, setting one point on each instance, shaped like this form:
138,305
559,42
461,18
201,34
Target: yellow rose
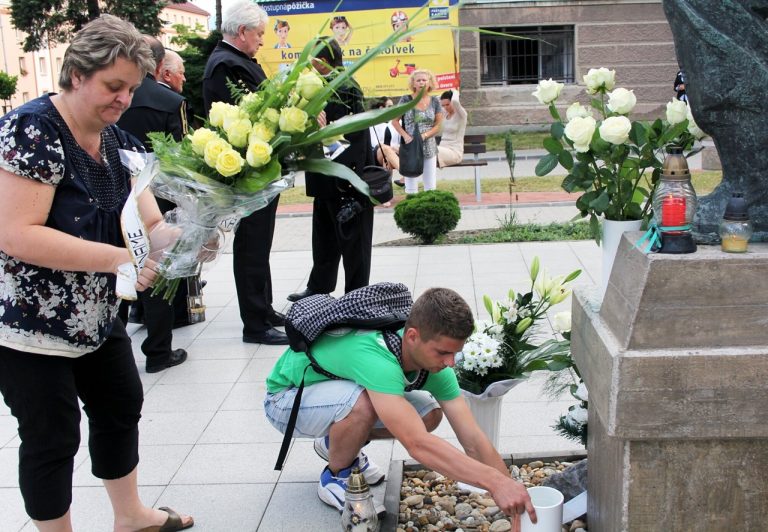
232,115
237,132
219,110
200,138
262,132
229,162
292,120
308,84
271,116
258,154
213,149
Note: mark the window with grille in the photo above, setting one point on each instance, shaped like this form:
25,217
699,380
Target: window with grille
546,52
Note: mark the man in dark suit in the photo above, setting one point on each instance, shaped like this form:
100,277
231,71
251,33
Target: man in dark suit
157,108
342,217
243,25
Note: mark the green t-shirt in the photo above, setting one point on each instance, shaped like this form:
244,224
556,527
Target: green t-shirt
360,356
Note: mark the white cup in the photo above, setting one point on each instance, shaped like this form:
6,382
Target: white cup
548,503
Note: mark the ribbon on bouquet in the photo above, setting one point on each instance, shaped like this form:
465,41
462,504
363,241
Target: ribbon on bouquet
653,236
134,231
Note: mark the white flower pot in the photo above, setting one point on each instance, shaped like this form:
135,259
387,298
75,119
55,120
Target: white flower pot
612,231
486,407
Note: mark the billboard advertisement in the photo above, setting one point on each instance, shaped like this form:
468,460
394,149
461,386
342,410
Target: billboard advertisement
359,25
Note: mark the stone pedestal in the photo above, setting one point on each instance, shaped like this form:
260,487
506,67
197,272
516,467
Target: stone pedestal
676,363
710,159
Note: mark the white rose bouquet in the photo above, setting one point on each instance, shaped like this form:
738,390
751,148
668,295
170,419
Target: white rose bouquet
503,347
615,161
246,154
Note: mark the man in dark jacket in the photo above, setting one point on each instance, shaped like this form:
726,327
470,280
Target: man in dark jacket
342,218
157,108
243,25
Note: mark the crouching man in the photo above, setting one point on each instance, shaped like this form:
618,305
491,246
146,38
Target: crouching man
342,415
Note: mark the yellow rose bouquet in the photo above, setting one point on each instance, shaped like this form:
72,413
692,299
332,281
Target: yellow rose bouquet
247,153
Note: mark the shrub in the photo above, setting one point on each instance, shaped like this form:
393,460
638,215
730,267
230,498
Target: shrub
428,215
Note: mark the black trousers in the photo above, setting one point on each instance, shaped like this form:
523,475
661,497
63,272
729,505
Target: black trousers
42,392
253,278
332,242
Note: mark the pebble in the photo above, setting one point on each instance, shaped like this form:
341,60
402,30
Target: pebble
430,502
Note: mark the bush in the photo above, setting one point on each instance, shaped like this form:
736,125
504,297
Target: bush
428,215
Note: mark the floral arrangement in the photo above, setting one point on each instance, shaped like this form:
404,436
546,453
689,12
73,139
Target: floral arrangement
503,347
245,156
615,161
573,425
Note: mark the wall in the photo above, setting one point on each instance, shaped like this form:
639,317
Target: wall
631,37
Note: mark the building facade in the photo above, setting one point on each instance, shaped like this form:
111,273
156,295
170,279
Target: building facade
561,40
38,72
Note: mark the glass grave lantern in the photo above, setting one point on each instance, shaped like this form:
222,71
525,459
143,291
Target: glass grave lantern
359,514
735,228
674,204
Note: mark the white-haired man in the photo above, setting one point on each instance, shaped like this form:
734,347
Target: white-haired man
172,72
243,25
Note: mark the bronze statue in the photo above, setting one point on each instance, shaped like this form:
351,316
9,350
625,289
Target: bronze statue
723,47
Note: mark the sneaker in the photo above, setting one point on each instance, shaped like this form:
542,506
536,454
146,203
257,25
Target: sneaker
331,488
372,473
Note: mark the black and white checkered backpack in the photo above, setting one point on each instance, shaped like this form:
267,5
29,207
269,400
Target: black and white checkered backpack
381,306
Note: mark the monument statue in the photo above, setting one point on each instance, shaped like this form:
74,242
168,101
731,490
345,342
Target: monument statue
723,47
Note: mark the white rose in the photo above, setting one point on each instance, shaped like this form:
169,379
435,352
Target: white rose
693,128
548,91
580,131
597,78
621,101
578,416
677,111
577,110
615,129
562,321
581,392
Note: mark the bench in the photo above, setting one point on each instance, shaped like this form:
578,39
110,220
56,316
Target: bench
474,144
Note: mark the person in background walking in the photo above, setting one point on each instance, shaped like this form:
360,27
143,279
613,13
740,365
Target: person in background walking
243,25
427,116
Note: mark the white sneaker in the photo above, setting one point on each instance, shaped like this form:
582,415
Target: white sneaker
372,473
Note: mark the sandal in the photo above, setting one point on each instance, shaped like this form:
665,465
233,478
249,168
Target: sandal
171,524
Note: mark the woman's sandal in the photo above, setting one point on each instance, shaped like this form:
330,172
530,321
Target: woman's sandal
171,524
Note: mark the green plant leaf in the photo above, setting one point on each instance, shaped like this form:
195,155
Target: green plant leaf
594,226
557,130
331,168
565,159
553,145
546,164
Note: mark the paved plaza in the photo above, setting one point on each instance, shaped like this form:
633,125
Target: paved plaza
206,447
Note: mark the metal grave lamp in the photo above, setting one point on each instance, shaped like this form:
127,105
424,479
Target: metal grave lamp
735,228
674,204
359,514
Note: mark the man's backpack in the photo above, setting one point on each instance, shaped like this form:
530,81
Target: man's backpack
382,306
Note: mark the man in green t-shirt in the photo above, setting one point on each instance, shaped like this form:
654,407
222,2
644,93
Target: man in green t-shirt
370,402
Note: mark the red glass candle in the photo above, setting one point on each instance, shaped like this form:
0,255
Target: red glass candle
672,211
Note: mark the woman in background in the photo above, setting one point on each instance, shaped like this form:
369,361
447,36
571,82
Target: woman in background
427,118
450,151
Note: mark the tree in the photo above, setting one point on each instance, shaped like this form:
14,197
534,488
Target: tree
195,56
7,87
184,32
54,21
218,15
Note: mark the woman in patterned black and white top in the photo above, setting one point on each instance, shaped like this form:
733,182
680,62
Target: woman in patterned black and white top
427,116
60,245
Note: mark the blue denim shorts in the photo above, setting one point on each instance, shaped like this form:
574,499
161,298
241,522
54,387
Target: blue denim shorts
325,403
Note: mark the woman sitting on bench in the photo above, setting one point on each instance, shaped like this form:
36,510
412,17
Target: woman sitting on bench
450,151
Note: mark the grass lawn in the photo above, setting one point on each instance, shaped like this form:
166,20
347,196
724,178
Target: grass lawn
704,182
521,140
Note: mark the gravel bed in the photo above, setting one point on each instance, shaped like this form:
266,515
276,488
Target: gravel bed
430,502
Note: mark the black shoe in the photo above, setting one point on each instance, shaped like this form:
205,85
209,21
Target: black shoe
276,319
399,182
301,295
268,337
176,357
